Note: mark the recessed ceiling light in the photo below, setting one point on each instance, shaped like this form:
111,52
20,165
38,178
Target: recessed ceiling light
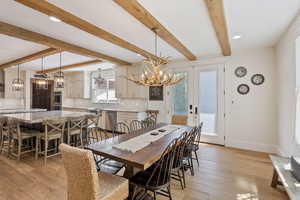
236,37
55,19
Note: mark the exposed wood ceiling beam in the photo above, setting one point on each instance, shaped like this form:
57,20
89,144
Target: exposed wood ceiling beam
217,16
72,66
141,14
67,17
18,32
46,52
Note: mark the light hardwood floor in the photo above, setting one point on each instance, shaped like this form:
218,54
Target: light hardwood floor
224,174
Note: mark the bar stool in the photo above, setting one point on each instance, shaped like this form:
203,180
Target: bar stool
75,127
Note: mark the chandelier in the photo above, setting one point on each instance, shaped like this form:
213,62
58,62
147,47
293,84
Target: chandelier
18,84
41,78
153,74
99,80
59,76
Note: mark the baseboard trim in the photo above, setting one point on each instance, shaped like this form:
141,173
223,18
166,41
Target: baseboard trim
268,148
281,152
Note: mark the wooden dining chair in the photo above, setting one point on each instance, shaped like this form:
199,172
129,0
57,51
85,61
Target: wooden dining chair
75,131
179,119
20,141
121,128
83,180
3,134
157,178
188,151
135,125
178,172
196,143
148,123
54,131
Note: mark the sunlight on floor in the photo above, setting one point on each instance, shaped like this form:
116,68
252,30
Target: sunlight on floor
246,196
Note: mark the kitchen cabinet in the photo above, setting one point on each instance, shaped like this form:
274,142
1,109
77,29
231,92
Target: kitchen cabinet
128,89
77,85
121,82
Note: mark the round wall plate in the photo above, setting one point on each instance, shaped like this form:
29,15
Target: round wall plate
257,79
243,89
240,71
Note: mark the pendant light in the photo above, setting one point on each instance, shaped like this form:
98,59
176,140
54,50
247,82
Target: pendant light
41,78
59,76
18,84
153,74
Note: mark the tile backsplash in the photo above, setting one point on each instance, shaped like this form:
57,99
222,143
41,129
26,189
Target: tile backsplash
11,103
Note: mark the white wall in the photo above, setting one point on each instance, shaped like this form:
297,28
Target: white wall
286,70
251,120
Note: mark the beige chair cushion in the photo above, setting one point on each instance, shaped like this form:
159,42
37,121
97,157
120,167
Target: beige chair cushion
52,136
112,187
75,132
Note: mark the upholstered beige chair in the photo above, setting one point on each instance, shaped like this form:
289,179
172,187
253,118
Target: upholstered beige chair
179,119
85,183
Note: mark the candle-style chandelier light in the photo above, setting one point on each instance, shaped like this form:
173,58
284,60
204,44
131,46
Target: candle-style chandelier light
153,74
18,83
59,76
41,78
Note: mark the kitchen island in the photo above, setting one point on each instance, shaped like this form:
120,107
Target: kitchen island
20,110
111,116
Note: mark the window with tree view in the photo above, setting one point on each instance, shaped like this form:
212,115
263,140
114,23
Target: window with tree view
103,86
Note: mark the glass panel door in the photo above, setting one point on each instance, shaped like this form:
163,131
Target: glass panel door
179,98
209,98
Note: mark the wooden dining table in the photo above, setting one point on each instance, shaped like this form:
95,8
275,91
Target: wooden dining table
143,158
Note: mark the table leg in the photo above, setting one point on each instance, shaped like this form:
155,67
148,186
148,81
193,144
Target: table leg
274,179
129,172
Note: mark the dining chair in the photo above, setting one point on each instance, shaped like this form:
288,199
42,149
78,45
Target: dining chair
178,172
20,141
103,164
75,130
121,128
3,134
188,152
196,143
54,131
157,178
148,123
83,180
135,125
179,119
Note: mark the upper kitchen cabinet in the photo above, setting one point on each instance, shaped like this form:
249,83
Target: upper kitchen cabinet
128,89
121,82
9,76
77,85
136,91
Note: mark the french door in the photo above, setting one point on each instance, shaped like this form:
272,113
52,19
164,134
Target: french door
200,96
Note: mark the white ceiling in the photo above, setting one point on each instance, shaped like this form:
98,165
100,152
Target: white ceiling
260,22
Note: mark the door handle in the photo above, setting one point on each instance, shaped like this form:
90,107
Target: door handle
196,110
191,109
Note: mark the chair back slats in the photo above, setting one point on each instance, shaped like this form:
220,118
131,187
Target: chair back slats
96,134
121,128
135,125
52,126
93,120
148,123
198,135
162,169
75,123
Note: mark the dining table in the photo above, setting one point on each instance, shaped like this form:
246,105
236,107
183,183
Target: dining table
142,158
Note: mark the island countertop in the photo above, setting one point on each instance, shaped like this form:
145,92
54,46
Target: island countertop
105,109
20,110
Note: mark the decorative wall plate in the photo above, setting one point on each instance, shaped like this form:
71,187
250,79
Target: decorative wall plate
257,79
243,89
240,71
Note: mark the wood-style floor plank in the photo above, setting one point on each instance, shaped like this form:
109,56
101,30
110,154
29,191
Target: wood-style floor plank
224,174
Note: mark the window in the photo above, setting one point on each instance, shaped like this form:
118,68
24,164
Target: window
103,86
180,96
